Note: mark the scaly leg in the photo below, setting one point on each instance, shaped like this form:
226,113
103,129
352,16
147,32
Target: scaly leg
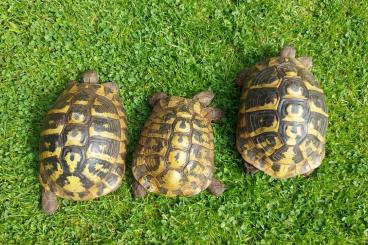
308,174
138,190
216,187
213,114
249,168
49,202
204,97
156,97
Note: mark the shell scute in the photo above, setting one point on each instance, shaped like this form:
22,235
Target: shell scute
185,162
83,143
282,119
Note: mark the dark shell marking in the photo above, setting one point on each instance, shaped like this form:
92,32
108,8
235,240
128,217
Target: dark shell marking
83,143
282,119
175,152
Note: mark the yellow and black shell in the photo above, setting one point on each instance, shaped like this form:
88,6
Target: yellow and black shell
282,119
83,143
175,153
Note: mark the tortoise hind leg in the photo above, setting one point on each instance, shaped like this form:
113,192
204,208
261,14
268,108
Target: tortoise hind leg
138,190
156,97
309,173
49,202
216,187
249,168
306,61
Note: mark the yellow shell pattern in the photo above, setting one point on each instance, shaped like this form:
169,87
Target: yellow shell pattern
83,143
282,119
175,152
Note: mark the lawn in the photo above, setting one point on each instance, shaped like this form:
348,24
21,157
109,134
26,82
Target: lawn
181,48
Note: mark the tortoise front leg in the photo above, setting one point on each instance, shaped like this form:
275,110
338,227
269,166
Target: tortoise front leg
213,114
111,87
49,202
138,190
216,187
156,97
204,98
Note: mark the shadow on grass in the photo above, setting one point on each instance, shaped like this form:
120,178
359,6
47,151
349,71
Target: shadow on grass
244,61
260,54
43,104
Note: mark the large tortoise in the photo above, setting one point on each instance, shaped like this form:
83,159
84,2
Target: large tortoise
83,143
282,118
175,153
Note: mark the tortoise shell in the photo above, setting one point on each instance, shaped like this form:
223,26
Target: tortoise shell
175,153
282,118
83,142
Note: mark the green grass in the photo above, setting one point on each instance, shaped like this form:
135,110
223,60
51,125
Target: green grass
183,47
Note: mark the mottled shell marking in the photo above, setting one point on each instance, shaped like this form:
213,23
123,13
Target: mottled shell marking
175,152
282,119
83,143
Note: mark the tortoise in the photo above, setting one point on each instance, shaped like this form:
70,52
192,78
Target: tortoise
282,118
83,143
175,153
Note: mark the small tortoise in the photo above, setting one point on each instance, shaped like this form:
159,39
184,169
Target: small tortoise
83,143
282,118
175,154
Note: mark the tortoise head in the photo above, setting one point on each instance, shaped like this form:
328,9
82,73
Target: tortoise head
90,77
290,52
149,183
